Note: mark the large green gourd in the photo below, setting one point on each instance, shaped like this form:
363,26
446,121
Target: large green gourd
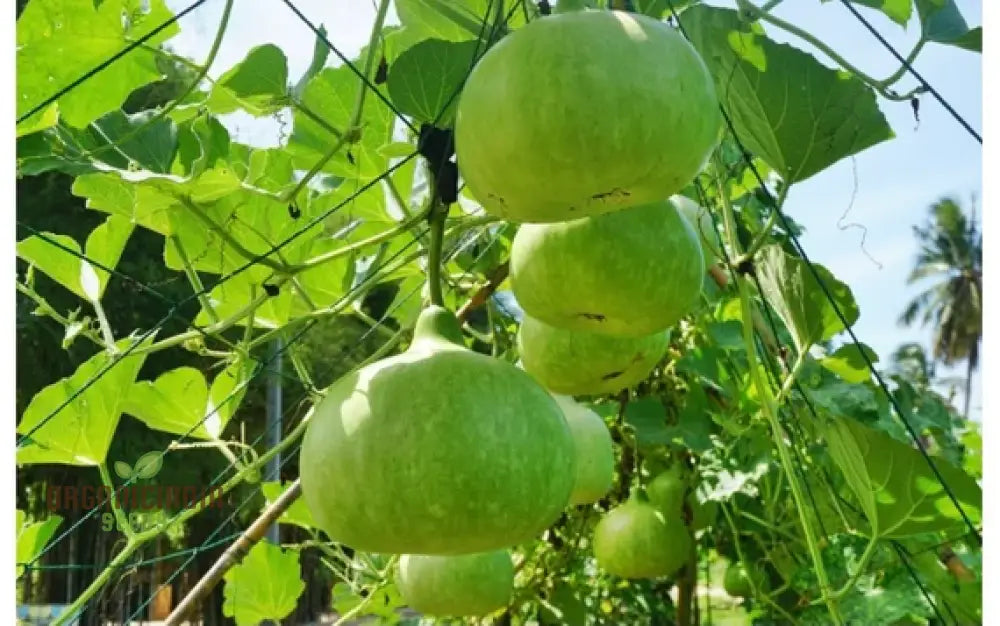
595,453
628,273
581,363
584,113
439,450
635,540
456,586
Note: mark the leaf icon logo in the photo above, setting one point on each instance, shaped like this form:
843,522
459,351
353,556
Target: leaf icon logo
123,469
147,466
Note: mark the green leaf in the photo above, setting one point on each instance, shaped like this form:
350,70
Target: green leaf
56,263
963,597
694,425
80,432
923,410
265,586
727,335
384,602
798,299
202,143
972,441
407,303
565,605
426,79
898,491
180,402
657,8
843,399
942,22
297,514
120,140
972,40
258,84
59,41
397,149
898,11
332,94
648,418
151,148
149,465
452,20
321,52
848,363
104,246
891,597
233,295
787,108
32,538
141,204
397,39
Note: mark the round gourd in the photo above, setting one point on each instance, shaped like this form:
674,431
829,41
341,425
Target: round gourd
439,450
595,455
461,585
701,221
667,491
737,579
634,540
583,113
579,363
627,274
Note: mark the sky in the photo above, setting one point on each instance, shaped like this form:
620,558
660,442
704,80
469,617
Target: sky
886,189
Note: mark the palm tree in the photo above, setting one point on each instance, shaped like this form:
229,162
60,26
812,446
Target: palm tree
951,253
910,361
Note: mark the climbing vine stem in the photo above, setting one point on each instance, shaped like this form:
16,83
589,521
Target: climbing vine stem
769,408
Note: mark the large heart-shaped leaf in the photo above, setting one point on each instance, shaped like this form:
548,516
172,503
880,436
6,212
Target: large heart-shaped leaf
298,514
265,586
456,20
848,362
800,302
80,432
32,538
942,22
60,41
794,112
257,84
897,489
898,11
180,402
104,246
425,80
332,95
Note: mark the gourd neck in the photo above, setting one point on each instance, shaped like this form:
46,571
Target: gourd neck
437,324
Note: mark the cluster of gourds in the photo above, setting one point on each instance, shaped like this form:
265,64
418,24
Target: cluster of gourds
579,126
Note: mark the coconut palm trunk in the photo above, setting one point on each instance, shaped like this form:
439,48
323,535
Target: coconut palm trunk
970,366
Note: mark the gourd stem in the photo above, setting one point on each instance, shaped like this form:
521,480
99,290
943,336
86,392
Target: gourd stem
437,218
